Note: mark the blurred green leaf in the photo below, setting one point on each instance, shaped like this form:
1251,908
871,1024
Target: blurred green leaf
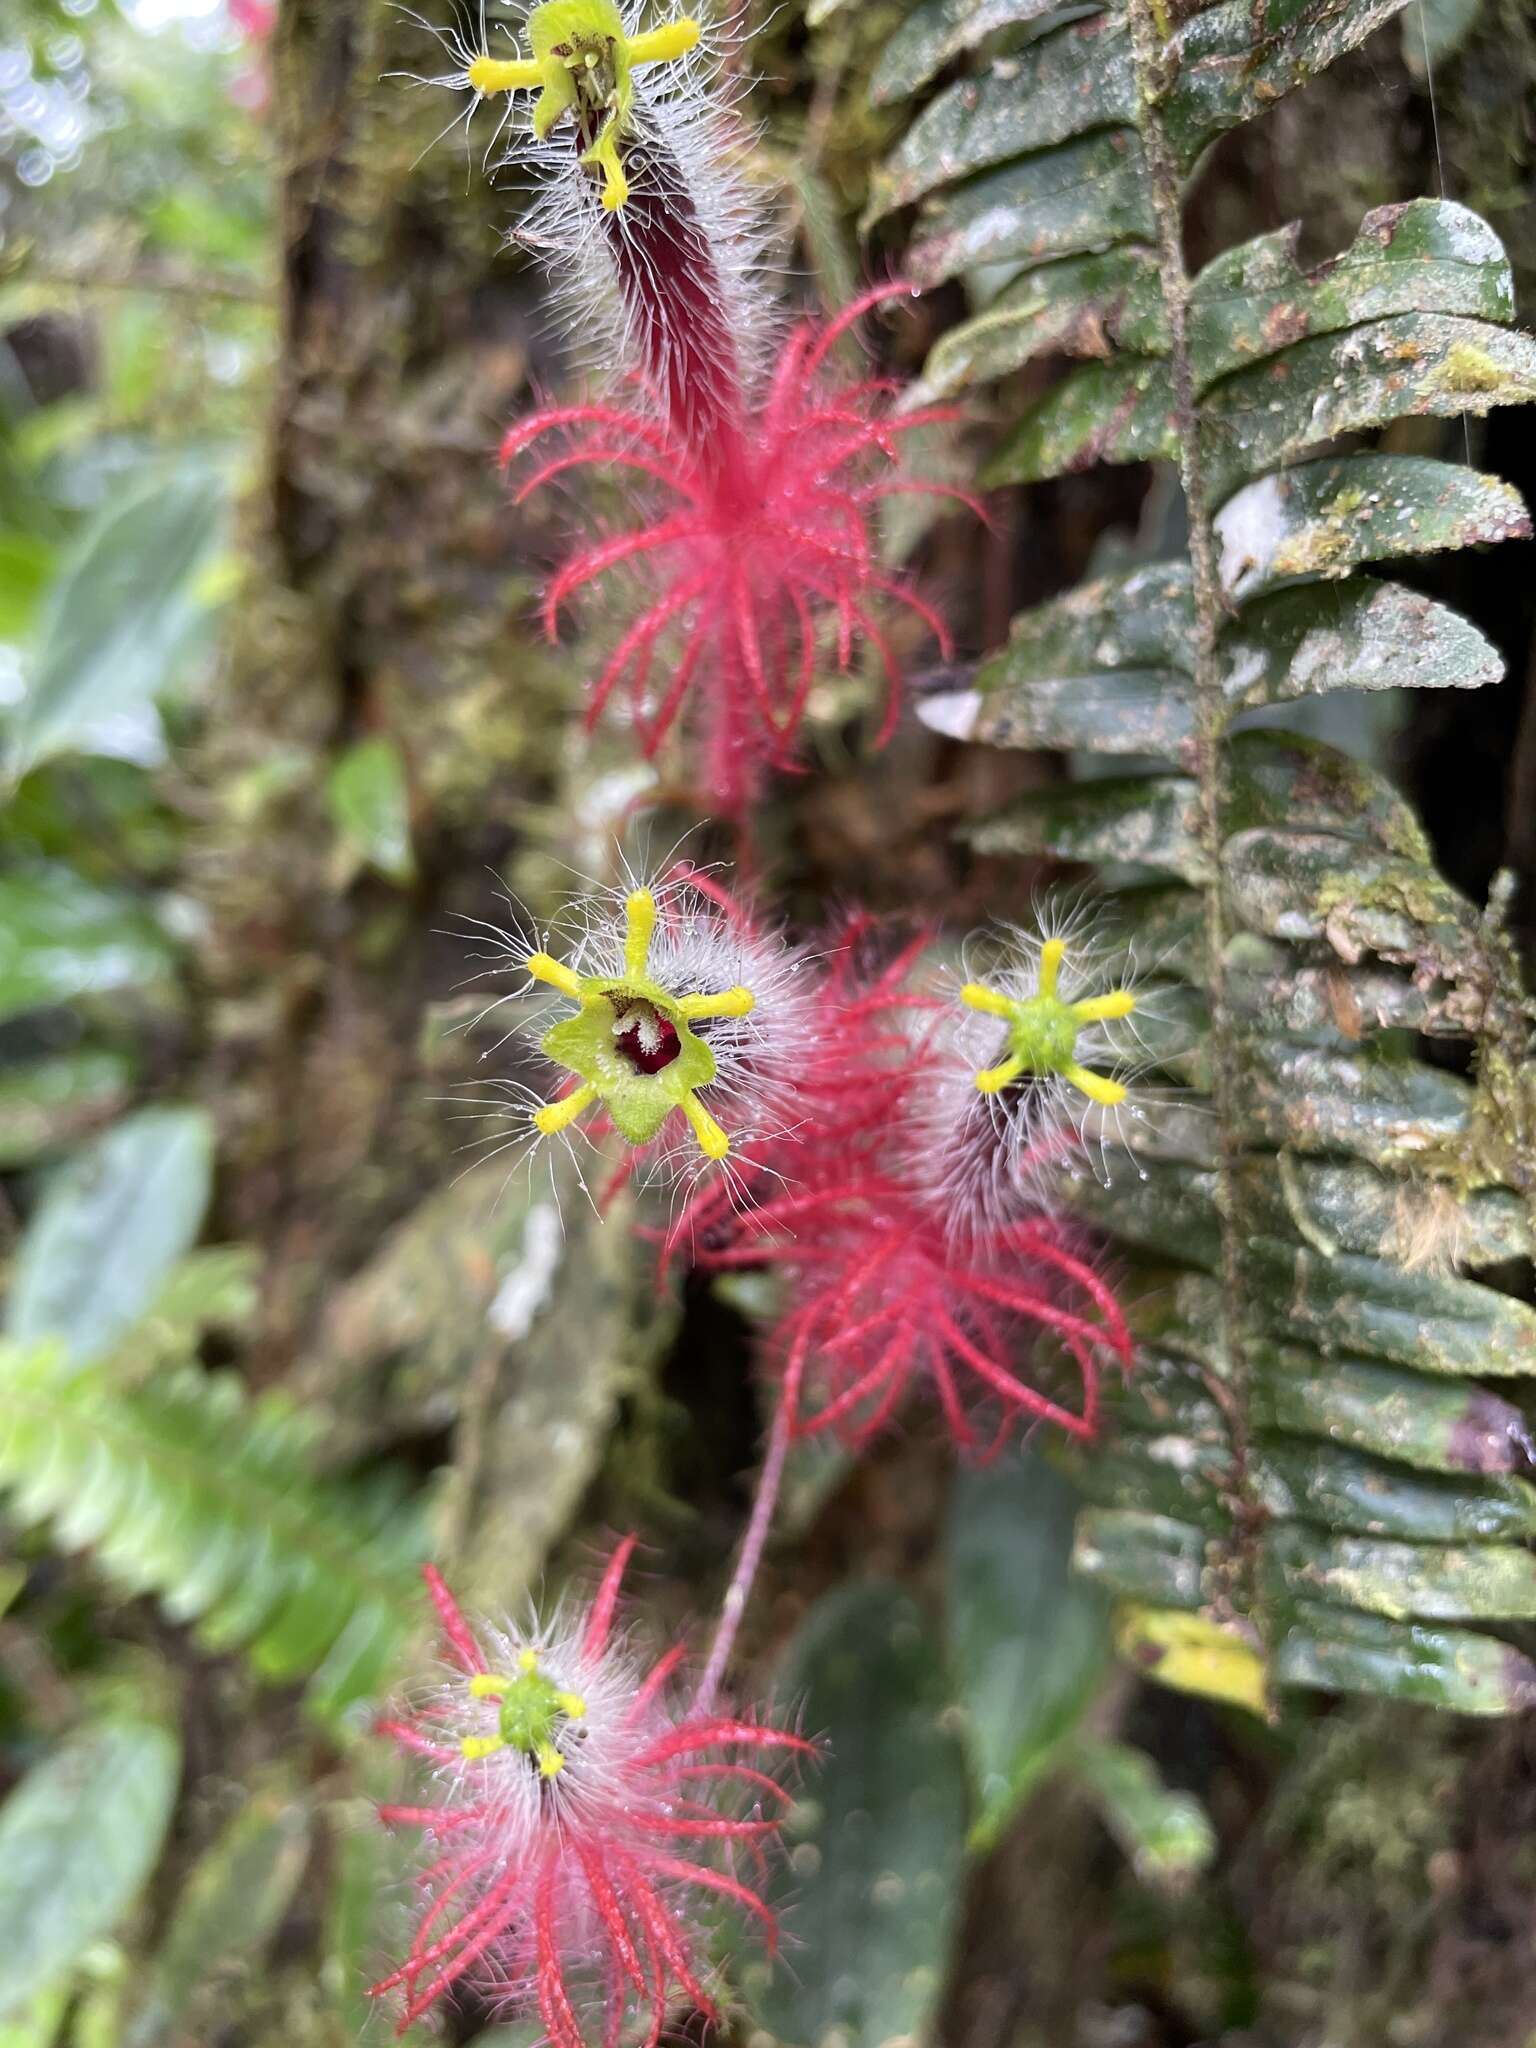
1077,78
1082,195
1028,1640
213,1288
228,1911
1434,30
46,1103
1424,1581
78,1837
935,31
1167,1835
1452,1668
827,239
368,1917
370,803
876,1842
124,612
61,938
27,564
111,1226
1077,306
1232,61
38,2026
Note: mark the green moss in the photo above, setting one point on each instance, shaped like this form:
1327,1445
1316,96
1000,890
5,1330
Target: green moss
1468,369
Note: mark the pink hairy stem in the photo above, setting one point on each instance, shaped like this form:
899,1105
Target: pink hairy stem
769,1482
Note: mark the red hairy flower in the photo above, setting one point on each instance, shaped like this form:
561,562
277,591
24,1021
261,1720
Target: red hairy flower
882,1299
254,18
577,1803
759,544
885,1294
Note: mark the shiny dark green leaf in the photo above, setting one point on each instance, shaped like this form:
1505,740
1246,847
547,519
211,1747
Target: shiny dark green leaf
1082,195
1428,256
1434,1322
1079,306
1149,821
1453,1668
1373,1106
1139,623
1120,411
1233,61
1116,711
1167,1209
1279,779
934,32
1433,1582
1309,884
1074,79
1324,518
1338,1205
1139,1556
1414,363
1297,1479
1183,1478
1359,635
1436,1425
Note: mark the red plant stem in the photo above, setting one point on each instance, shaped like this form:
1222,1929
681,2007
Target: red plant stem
769,1483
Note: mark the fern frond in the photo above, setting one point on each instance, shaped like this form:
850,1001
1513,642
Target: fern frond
185,1488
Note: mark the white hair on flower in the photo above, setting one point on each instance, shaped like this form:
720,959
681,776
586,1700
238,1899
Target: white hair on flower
1036,1057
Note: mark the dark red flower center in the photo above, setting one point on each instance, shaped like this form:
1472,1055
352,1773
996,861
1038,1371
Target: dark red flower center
647,1039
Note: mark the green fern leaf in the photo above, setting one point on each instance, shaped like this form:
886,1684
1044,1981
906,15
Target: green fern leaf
185,1488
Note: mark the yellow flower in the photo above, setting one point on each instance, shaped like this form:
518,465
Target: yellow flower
1043,1030
581,65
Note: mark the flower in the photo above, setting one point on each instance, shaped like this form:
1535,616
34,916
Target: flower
680,995
1030,1056
765,462
583,65
759,548
886,1293
583,1816
882,1301
857,1067
653,242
